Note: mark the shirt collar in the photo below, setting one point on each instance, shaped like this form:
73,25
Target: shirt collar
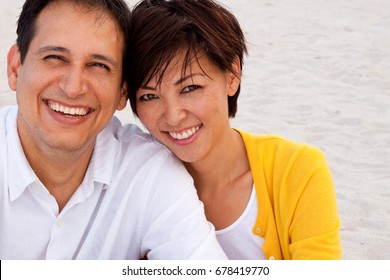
20,173
100,169
103,160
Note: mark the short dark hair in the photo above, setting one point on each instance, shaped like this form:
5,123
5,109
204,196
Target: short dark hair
26,27
160,28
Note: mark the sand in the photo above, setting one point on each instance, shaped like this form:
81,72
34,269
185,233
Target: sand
317,72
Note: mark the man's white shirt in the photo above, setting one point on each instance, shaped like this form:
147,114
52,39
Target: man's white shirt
136,200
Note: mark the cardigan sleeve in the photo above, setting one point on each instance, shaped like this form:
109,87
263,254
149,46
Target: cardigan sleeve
297,212
308,216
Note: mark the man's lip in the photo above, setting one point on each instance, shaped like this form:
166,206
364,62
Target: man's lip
69,110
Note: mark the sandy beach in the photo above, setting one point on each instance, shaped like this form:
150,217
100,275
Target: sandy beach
317,72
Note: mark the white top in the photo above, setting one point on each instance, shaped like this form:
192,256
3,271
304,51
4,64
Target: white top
237,240
148,207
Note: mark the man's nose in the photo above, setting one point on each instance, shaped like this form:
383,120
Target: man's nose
73,82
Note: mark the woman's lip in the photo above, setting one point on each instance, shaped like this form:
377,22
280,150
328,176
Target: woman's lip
184,133
185,138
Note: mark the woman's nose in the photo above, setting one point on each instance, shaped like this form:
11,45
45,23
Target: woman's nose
174,113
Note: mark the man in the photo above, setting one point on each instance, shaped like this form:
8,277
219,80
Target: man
74,182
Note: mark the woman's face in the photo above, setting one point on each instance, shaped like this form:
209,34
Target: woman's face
188,114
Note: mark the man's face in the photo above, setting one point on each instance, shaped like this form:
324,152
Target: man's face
69,85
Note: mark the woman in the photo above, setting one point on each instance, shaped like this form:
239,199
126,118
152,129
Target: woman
267,197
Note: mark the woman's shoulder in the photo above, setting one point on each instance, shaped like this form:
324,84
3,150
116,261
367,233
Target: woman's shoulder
275,146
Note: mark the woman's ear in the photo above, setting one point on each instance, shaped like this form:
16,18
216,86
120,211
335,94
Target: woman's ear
13,65
234,77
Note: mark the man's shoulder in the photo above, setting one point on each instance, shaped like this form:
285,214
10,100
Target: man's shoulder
133,143
140,158
133,137
7,115
7,128
6,112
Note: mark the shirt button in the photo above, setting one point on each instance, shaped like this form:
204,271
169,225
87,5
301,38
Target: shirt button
60,223
257,230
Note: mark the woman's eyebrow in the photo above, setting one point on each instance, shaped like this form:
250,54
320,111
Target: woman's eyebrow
183,79
148,87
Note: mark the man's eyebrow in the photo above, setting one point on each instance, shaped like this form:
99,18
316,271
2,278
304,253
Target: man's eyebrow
105,58
52,48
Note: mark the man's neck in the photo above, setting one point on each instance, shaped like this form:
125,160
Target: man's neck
61,172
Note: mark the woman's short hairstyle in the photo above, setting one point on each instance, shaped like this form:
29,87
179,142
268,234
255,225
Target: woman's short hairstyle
161,28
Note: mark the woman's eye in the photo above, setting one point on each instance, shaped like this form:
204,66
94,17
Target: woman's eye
149,96
190,88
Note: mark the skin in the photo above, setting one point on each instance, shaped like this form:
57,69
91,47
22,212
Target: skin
74,62
189,114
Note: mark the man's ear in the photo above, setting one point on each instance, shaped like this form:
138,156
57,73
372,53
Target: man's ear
13,65
123,98
234,78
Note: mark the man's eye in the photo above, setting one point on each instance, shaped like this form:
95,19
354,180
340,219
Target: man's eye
54,57
190,88
100,65
149,96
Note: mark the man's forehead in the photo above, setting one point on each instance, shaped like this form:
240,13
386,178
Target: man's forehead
76,16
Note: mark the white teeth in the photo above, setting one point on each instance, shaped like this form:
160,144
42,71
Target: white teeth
185,134
67,110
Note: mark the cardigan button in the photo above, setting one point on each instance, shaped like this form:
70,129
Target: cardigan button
257,230
271,258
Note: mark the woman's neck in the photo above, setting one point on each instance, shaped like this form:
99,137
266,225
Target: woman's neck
224,181
224,164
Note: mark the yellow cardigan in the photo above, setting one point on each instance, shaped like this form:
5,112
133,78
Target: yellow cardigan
297,211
